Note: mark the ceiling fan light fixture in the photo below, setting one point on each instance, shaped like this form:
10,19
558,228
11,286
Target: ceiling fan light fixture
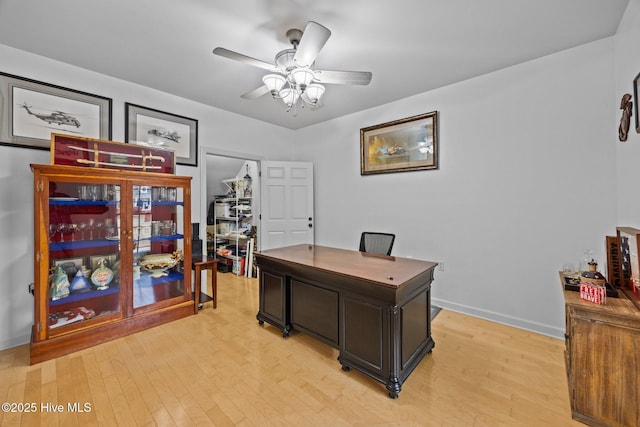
289,96
313,93
292,78
284,60
302,77
274,82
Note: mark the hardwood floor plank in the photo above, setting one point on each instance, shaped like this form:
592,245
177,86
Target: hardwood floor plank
115,394
32,394
221,368
81,403
98,396
127,375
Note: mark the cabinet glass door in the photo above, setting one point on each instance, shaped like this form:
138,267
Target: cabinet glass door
84,254
158,245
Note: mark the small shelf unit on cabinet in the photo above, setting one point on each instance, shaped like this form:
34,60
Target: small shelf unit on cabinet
110,248
233,241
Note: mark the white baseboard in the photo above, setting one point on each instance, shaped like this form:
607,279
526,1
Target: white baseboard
516,322
14,342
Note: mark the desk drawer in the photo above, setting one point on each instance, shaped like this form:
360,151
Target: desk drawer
315,310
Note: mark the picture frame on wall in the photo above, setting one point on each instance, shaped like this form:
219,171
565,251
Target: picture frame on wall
159,129
31,110
635,97
408,144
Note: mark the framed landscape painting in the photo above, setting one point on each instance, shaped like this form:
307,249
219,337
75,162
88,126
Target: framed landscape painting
30,111
399,146
146,126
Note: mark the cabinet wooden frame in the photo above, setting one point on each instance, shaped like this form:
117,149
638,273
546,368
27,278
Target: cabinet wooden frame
128,318
602,354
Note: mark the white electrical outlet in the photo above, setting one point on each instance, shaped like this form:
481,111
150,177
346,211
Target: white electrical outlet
440,265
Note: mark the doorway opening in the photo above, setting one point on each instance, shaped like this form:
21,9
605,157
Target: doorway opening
280,200
232,212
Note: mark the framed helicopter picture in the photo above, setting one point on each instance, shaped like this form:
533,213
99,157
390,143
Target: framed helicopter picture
162,130
30,111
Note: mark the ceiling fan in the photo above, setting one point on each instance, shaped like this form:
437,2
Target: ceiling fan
291,77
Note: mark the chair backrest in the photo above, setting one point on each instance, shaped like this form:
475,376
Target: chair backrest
377,243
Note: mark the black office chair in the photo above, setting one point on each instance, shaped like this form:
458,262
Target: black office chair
377,243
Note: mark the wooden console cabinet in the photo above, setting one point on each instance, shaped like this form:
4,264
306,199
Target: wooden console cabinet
374,309
125,233
602,356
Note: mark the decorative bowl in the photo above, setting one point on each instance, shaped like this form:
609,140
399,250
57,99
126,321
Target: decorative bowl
158,264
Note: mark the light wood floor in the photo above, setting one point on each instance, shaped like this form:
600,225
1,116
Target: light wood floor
221,368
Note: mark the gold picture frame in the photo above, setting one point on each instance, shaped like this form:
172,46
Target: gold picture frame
403,145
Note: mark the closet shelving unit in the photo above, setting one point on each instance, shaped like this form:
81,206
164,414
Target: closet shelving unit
233,241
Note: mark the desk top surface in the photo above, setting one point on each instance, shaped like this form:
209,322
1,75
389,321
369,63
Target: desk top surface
385,270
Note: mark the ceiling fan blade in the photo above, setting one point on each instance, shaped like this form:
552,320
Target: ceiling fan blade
256,93
313,40
243,58
343,77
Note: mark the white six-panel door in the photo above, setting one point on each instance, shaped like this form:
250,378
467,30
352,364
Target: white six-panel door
286,207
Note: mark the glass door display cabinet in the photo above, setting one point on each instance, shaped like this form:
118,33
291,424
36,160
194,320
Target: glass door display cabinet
112,255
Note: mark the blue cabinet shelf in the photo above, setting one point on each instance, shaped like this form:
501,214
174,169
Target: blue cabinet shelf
81,296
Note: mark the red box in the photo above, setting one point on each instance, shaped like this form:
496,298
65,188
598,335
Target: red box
238,267
593,293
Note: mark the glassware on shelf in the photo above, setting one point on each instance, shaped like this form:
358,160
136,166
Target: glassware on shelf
90,227
61,229
52,232
167,228
109,229
94,192
585,260
72,231
83,192
82,228
156,226
99,227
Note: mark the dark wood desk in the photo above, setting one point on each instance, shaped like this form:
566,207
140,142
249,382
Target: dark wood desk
207,263
374,309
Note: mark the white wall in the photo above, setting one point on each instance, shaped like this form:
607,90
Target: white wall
627,67
526,183
219,168
527,177
217,128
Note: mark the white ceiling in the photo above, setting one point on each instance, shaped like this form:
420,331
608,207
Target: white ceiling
410,46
